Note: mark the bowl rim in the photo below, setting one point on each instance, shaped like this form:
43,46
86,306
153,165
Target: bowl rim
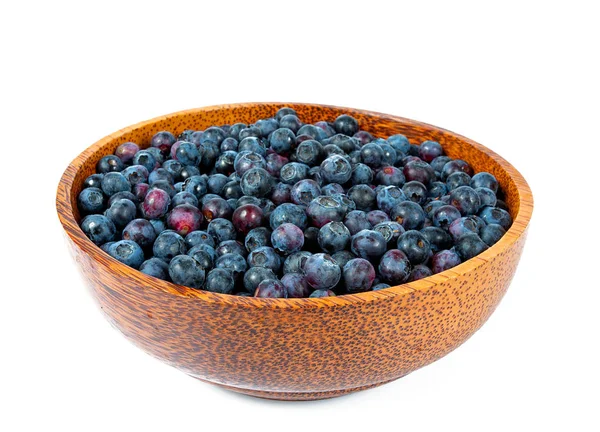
76,235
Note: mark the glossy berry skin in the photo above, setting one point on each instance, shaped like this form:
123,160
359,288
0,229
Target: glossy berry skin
256,238
166,186
368,244
293,172
247,160
437,190
188,171
156,204
184,270
438,163
121,213
127,151
415,246
457,179
390,156
419,171
390,230
388,197
288,213
270,288
394,267
332,189
281,193
438,238
419,272
275,163
444,260
123,195
326,127
196,238
490,234
295,262
114,182
462,226
282,140
197,185
486,180
184,218
408,214
429,150
333,237
377,216
287,238
466,200
309,152
356,220
470,245
140,231
158,225
342,257
322,293
346,125
219,281
231,246
321,271
156,268
128,252
359,275
184,197
295,285
495,215
363,196
221,230
235,263
444,215
168,245
163,141
265,256
390,176
324,209
303,192
225,162
455,166
415,191
110,163
336,169
247,217
290,121
256,182
146,159
98,228
216,208
361,174
487,197
380,286
94,180
90,200
400,143
254,276
347,204
136,174
228,144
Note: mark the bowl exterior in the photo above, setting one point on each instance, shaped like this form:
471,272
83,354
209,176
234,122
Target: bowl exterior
298,349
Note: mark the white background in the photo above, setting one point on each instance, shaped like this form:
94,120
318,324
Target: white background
520,77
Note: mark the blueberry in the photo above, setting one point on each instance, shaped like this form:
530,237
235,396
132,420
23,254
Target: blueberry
487,197
287,238
234,130
123,195
247,217
209,153
388,197
368,244
394,267
295,285
281,112
438,238
356,221
121,213
184,270
332,189
281,193
140,231
231,190
342,257
216,208
438,163
462,226
309,152
295,262
303,192
364,137
163,141
415,246
419,272
390,230
275,163
282,140
389,154
444,215
156,268
361,174
114,182
213,134
333,237
256,238
128,252
254,145
221,230
165,186
235,263
231,246
455,166
390,175
290,121
127,151
323,210
346,125
196,238
419,171
466,200
322,293
184,198
219,281
158,225
486,180
359,275
160,174
94,180
326,127
437,190
415,191
408,214
321,271
347,204
377,216
429,150
311,240
146,159
225,162
470,245
495,215
229,143
168,245
336,169
136,174
98,228
255,275
291,213
90,200
188,171
491,233
110,163
197,185
400,143
363,196
203,253
247,160
249,132
457,179
256,182
293,172
380,286
372,155
267,126
270,288
444,260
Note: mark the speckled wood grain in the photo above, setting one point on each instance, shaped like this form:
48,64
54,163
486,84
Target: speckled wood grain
299,349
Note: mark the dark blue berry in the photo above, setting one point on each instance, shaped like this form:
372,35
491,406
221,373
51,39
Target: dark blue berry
98,228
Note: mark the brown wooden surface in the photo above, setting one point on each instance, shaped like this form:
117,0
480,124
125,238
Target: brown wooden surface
299,349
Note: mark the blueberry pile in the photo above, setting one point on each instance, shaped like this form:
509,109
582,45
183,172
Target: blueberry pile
285,209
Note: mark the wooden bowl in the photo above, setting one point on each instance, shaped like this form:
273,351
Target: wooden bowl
299,349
